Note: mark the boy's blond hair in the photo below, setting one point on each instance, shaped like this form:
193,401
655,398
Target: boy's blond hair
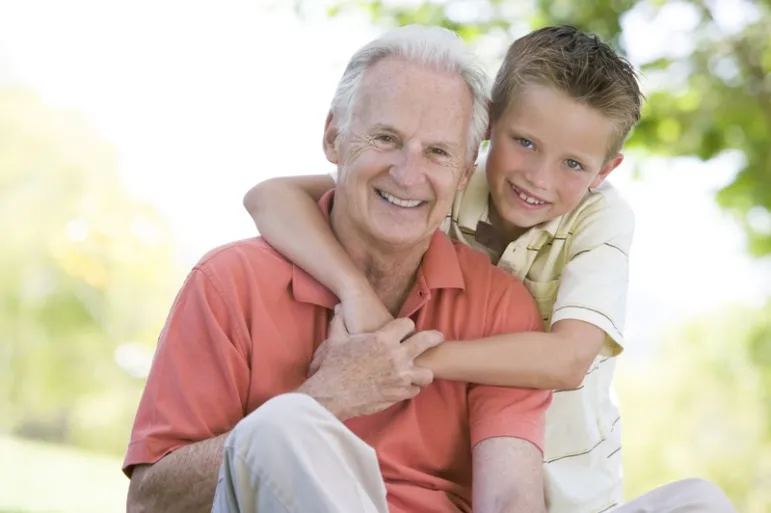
577,64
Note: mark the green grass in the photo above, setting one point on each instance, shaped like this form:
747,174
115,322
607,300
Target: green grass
36,477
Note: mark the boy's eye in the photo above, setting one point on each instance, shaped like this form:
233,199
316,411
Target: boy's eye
573,164
525,143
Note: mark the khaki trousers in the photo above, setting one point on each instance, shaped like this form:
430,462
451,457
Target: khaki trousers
291,455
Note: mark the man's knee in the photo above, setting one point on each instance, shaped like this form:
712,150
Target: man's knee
278,421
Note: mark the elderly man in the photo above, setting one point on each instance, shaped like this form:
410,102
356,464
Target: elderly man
368,431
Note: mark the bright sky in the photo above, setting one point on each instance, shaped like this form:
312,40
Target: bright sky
201,103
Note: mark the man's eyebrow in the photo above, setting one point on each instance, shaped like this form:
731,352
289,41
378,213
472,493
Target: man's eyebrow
382,127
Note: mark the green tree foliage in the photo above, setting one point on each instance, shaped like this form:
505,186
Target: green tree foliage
702,407
86,275
714,98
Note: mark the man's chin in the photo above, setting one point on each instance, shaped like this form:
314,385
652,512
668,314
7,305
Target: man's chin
394,238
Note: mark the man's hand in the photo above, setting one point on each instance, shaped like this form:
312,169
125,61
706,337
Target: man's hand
364,312
364,374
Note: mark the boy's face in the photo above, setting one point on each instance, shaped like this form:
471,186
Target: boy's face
545,153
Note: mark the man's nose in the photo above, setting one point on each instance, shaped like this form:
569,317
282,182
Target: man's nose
408,170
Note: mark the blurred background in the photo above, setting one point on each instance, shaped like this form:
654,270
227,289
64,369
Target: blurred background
129,132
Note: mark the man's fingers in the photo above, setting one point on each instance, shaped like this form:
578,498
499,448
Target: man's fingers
422,377
412,392
420,342
397,329
318,356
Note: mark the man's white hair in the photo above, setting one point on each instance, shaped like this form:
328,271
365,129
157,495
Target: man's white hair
433,47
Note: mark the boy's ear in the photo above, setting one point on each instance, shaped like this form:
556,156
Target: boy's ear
331,131
606,169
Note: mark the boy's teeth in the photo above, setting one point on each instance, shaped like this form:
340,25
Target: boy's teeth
398,201
528,199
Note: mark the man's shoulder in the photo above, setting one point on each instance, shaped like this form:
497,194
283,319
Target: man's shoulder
242,259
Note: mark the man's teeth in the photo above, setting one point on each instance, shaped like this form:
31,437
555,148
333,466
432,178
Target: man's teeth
398,201
528,199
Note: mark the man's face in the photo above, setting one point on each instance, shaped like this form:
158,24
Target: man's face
545,153
404,154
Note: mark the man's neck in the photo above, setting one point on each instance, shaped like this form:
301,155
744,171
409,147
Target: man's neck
390,271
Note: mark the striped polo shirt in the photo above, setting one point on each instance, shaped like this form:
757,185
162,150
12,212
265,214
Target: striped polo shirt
576,266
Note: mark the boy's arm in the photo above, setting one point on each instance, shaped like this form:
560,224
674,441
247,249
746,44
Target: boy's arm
556,360
587,318
286,214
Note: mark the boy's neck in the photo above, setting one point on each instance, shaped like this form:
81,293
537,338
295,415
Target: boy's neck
506,233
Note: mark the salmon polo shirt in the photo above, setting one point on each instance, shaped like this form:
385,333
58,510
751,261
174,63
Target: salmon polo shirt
244,328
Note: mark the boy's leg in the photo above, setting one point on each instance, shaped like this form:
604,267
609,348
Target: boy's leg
291,455
686,496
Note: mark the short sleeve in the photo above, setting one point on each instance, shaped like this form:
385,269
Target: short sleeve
504,411
199,378
595,280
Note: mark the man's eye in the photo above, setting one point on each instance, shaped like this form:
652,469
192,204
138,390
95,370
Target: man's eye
573,164
439,152
385,138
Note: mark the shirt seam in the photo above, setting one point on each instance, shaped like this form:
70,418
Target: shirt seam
589,309
228,304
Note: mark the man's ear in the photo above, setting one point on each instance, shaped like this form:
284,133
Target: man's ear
609,166
331,132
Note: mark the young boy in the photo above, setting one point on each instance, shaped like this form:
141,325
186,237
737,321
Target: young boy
562,105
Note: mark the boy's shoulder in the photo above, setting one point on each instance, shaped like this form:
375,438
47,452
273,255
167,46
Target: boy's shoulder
604,212
470,203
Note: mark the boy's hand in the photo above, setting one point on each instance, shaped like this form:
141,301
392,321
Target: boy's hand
363,312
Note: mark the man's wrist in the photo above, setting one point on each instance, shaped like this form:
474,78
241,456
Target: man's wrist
314,389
